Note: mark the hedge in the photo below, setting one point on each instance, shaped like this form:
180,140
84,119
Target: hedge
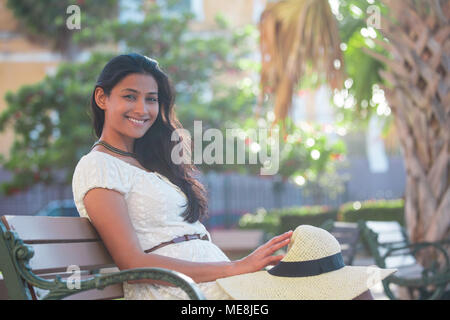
376,210
281,220
292,221
277,221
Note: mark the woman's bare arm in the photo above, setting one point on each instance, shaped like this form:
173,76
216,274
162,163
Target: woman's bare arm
109,214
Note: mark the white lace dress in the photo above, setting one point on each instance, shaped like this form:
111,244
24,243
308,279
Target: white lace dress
154,205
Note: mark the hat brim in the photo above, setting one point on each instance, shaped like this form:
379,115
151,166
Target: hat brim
343,284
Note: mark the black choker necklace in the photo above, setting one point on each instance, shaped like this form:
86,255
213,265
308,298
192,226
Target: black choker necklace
113,149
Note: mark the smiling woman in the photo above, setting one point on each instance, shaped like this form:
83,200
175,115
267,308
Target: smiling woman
132,104
146,208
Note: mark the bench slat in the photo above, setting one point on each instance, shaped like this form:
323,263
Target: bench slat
56,257
37,229
347,234
348,238
410,271
384,226
346,229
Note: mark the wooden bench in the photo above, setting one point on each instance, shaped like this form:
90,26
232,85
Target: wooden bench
347,234
64,258
389,245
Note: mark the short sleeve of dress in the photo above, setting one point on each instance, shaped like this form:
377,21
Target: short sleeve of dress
97,171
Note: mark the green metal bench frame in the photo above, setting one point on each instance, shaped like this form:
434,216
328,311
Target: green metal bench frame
437,276
18,276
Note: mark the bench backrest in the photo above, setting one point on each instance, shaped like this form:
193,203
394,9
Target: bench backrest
391,234
58,244
347,234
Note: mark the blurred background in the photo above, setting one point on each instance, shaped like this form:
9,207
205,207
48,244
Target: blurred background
359,87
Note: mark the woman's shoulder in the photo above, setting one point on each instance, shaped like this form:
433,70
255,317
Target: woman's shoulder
96,169
98,159
91,160
97,163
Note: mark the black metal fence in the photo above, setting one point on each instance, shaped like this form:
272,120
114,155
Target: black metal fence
230,195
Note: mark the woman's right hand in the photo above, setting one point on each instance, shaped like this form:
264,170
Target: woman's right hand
263,255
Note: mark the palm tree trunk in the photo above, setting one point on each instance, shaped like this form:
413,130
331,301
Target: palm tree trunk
419,76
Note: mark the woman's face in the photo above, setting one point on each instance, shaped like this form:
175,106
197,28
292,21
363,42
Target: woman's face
132,106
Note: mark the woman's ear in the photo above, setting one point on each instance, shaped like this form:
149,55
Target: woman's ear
100,98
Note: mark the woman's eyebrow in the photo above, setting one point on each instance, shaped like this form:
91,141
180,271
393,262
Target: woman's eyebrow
129,89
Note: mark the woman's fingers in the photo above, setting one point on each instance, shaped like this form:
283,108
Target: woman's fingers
279,238
273,260
281,241
263,256
277,246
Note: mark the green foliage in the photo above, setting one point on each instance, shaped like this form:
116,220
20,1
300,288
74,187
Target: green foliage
262,220
190,60
306,151
53,114
305,154
290,222
310,158
362,69
43,117
376,210
46,20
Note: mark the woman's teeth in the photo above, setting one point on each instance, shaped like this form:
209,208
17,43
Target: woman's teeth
136,121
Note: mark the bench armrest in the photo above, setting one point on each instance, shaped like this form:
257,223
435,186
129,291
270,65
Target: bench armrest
22,253
59,288
434,274
413,248
439,277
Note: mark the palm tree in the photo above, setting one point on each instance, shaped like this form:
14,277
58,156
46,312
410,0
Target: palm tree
417,88
416,74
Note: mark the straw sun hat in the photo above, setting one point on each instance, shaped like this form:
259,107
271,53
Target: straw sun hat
312,269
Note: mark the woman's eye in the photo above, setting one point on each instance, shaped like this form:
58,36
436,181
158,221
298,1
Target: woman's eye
133,98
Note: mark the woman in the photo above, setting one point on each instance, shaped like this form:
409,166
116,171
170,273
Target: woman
138,199
147,209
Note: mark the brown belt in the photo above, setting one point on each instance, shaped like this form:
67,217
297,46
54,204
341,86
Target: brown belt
186,237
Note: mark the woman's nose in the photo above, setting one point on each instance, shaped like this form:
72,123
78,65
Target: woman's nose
142,106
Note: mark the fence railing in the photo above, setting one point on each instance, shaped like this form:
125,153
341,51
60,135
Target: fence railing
230,195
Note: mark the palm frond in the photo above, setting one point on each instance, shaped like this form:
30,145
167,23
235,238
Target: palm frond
293,33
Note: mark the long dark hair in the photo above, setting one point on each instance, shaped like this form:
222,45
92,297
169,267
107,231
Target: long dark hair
155,147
